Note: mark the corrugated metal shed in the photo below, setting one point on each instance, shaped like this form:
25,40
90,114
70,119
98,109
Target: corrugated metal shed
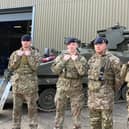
56,19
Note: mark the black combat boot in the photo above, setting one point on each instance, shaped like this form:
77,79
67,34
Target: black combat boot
33,126
128,123
16,128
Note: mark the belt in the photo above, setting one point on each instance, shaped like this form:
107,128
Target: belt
110,82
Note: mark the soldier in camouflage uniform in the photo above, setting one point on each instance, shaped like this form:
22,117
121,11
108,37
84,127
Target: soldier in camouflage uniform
71,67
24,63
103,78
125,78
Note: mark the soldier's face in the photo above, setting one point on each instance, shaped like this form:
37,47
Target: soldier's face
100,48
72,47
26,44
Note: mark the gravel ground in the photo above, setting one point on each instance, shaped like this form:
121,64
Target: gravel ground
46,120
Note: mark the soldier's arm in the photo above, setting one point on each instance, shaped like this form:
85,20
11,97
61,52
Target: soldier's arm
116,66
123,71
58,65
34,60
81,66
14,61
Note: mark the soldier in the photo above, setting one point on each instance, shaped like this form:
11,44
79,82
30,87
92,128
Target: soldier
71,67
24,63
103,78
125,78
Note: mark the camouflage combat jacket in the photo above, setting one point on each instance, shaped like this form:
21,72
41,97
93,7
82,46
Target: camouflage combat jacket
70,72
101,92
24,78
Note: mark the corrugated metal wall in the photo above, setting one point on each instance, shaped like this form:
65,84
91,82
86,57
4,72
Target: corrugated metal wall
80,18
56,19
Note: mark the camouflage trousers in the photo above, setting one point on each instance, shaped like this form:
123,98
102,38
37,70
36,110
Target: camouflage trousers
76,102
127,99
18,100
101,119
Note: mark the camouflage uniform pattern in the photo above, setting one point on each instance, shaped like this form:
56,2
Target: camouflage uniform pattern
101,92
127,99
69,86
25,86
125,77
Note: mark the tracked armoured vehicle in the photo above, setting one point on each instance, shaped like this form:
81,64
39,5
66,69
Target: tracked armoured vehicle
118,37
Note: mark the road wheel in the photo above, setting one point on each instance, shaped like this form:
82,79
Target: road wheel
117,95
46,100
124,89
85,90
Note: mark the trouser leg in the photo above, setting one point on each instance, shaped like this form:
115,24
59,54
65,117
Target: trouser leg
76,107
32,111
107,121
60,102
127,99
95,119
17,109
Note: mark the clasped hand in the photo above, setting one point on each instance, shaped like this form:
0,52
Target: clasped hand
21,53
67,57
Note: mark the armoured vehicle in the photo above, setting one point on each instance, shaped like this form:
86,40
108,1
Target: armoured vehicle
118,37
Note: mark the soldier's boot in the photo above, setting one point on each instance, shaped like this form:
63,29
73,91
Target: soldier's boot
33,126
16,128
58,127
128,122
76,127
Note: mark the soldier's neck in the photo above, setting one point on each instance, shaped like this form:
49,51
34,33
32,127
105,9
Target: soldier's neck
101,53
26,49
72,52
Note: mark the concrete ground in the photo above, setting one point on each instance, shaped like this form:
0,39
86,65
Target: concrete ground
46,120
